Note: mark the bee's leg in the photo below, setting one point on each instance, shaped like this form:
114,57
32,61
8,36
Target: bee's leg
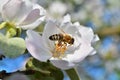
55,53
64,47
58,47
59,43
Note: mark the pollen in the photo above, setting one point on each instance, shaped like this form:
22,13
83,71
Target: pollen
59,50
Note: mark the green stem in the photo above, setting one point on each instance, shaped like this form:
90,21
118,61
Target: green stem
73,74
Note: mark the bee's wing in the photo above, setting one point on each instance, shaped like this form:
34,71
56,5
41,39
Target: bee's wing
61,30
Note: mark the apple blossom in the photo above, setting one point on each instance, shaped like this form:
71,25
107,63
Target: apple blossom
22,13
63,55
57,8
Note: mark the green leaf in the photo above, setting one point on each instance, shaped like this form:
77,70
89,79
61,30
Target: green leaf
12,47
36,66
72,73
46,70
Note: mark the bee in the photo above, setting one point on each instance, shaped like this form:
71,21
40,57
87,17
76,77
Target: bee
62,41
62,37
66,38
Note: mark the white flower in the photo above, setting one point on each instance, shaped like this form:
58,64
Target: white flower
62,55
23,13
58,7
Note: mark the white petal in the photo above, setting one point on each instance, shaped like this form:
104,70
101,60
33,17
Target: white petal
95,38
70,28
76,24
31,17
36,47
66,19
87,34
16,10
62,64
2,2
93,52
32,25
50,29
34,18
80,53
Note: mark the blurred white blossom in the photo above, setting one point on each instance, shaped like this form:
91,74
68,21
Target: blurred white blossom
34,1
82,15
22,13
62,55
57,9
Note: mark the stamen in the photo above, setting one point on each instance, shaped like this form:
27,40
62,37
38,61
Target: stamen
60,48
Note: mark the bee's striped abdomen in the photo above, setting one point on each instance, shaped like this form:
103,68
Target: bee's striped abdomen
56,37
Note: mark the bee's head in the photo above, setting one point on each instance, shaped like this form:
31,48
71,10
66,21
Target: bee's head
72,41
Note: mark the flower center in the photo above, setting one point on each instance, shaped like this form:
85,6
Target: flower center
59,50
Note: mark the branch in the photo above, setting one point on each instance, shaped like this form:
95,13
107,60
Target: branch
108,31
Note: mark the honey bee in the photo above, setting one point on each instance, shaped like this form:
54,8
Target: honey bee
62,41
62,37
